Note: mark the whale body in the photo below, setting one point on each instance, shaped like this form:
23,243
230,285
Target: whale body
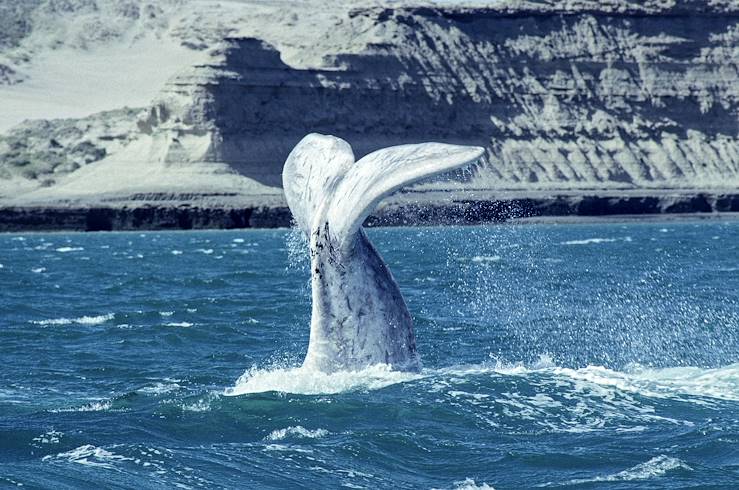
359,317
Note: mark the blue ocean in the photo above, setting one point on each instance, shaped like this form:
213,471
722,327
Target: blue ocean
555,356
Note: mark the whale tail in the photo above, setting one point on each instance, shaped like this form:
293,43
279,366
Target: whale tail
359,317
323,183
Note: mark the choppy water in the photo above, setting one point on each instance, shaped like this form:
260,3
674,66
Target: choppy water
581,356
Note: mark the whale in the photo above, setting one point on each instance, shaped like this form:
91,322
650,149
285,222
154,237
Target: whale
358,315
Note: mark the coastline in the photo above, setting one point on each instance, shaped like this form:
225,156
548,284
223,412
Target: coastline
405,209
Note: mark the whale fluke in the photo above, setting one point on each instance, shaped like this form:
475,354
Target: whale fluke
359,318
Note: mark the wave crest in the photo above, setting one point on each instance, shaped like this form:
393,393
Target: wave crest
296,431
720,383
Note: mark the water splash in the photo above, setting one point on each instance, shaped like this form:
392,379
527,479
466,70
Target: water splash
646,313
304,381
297,246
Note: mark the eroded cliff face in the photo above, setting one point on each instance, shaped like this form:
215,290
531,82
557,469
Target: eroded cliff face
568,96
561,100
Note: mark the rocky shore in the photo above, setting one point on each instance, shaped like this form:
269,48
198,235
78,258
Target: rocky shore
409,210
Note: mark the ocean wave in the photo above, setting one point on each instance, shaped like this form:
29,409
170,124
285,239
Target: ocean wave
83,320
655,467
89,455
672,382
97,406
161,388
201,403
720,383
296,431
286,448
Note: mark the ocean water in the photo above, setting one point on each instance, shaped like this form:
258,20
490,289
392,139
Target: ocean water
564,356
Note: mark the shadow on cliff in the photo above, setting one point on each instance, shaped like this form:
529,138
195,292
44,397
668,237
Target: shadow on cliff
264,111
481,77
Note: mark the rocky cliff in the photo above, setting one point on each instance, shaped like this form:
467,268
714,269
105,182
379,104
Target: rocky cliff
567,97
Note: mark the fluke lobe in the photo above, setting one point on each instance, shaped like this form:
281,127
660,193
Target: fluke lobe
359,318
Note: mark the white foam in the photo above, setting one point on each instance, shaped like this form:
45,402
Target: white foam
166,313
89,455
296,431
94,320
53,321
653,468
470,484
98,406
486,258
588,241
678,382
199,406
83,320
283,447
675,382
176,252
50,437
69,249
160,388
238,240
309,382
206,251
656,466
38,270
721,383
179,324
